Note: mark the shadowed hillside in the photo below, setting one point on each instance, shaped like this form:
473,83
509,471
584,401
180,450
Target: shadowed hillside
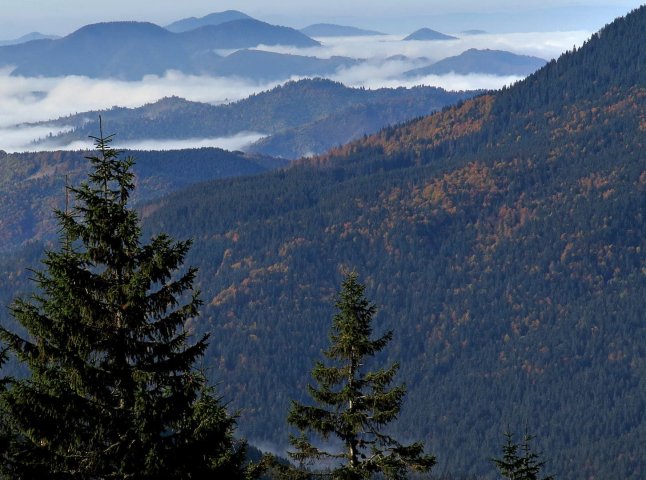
32,184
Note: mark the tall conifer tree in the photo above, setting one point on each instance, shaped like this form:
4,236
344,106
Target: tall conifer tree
354,404
113,392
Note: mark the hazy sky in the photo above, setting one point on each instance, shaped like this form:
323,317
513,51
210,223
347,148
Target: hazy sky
64,16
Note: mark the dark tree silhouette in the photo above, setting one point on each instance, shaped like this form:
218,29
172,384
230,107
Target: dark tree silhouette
113,391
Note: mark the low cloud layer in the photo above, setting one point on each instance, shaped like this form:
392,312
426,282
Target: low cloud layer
27,99
546,45
449,81
24,100
19,140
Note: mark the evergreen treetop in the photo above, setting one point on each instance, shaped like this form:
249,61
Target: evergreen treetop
354,404
519,462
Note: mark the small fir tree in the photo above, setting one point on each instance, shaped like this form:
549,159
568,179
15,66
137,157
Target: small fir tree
519,462
113,392
354,404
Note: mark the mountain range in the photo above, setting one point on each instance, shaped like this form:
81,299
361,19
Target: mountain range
304,117
221,44
502,240
136,49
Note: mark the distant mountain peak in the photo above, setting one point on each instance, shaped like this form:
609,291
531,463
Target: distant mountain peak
28,38
485,61
428,34
249,32
216,18
117,28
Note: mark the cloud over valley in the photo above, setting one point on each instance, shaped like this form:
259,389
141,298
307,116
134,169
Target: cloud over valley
385,61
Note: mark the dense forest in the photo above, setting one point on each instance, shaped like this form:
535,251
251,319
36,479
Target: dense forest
502,241
32,184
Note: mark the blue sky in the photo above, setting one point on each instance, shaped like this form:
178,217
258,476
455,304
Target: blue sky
64,16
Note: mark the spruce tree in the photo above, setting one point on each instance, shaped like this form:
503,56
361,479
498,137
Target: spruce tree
113,392
354,404
519,462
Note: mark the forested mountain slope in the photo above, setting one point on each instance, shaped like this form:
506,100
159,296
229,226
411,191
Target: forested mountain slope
32,184
503,241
